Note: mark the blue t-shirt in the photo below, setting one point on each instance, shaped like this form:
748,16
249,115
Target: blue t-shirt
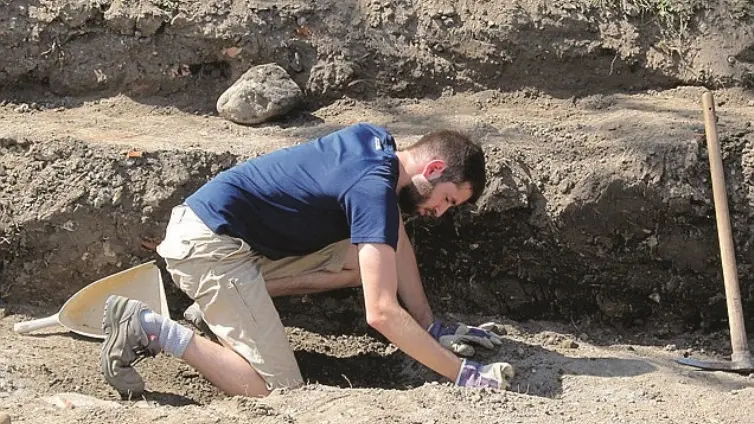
299,199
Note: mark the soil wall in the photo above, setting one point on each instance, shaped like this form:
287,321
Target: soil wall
371,48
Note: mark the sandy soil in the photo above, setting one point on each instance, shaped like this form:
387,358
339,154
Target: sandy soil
355,377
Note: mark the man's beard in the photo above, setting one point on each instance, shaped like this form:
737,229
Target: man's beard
409,199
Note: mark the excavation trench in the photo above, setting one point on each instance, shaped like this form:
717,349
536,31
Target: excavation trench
623,249
630,242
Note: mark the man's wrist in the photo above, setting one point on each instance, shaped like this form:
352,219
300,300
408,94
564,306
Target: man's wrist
436,329
426,323
426,320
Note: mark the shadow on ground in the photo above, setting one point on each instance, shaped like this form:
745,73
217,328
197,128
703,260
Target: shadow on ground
540,371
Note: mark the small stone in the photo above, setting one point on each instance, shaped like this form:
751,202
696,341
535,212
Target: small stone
569,344
4,418
495,327
117,196
70,400
671,347
584,337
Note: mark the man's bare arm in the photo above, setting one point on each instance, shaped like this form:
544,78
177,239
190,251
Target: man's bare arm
379,277
411,292
410,288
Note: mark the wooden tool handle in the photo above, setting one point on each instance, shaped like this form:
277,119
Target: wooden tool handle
725,236
36,324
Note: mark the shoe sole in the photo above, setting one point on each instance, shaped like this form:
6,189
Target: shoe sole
115,306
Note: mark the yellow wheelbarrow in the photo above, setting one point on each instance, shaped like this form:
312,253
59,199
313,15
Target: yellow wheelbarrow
82,313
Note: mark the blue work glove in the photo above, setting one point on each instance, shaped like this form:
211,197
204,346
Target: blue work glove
456,337
474,374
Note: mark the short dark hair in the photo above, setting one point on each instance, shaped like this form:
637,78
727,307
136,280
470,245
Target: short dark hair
463,158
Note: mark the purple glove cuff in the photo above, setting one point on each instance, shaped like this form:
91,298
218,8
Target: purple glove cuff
469,376
437,330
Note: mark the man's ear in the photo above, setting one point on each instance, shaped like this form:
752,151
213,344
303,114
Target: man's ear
433,169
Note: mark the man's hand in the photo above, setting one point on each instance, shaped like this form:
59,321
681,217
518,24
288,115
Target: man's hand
474,374
456,337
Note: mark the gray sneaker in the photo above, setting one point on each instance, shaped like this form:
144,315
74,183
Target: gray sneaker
125,344
194,315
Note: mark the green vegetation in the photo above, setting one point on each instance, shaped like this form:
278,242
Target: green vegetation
673,16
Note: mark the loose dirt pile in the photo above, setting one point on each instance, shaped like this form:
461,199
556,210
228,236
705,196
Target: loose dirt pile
595,241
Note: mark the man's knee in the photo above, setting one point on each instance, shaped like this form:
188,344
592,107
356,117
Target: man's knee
354,278
248,391
351,266
352,259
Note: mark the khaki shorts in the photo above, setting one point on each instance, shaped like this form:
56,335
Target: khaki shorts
225,278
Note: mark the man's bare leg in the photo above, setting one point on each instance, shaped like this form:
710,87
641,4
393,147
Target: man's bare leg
224,368
231,373
320,281
227,370
410,287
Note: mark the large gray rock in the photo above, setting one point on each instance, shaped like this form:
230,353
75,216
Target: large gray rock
263,92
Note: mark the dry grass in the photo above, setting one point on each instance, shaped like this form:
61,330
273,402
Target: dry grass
673,16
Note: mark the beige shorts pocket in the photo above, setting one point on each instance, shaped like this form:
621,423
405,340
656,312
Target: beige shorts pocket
246,294
175,248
